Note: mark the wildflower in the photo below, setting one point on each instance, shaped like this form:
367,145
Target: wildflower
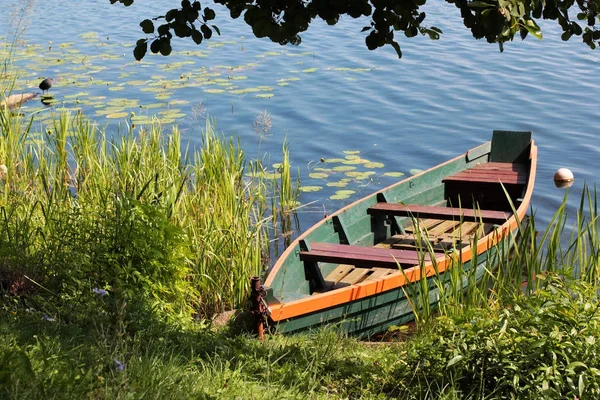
3,170
263,123
46,317
120,365
100,292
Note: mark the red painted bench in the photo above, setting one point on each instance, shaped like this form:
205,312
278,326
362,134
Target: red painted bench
359,256
493,172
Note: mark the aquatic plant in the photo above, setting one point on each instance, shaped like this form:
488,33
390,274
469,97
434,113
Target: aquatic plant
159,232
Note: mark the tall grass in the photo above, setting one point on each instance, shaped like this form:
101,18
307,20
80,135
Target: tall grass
517,266
130,223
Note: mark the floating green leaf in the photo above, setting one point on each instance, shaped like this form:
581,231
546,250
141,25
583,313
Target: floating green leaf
374,165
318,175
341,183
344,168
117,115
310,188
360,175
354,161
310,70
342,194
178,102
394,174
415,171
244,91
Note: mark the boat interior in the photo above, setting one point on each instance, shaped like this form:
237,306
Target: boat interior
476,200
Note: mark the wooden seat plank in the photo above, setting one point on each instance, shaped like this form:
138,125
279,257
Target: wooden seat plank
419,211
499,166
487,178
507,173
361,256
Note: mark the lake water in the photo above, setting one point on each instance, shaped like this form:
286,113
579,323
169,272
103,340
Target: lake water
330,97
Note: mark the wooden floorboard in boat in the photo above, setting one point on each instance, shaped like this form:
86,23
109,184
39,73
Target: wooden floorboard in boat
353,277
380,273
338,273
443,228
423,224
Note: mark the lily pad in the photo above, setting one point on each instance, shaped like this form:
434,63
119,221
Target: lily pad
265,95
310,70
374,165
318,175
415,171
360,175
178,102
341,183
394,174
117,115
342,194
310,188
244,91
344,168
353,161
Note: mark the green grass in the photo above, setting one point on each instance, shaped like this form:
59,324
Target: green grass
539,346
168,235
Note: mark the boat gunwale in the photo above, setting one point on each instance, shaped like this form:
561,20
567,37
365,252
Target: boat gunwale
321,301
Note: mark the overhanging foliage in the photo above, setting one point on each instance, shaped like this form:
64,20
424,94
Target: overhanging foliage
282,21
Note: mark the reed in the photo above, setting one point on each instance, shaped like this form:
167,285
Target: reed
164,232
517,267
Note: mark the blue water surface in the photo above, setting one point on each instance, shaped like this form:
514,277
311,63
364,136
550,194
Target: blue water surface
442,98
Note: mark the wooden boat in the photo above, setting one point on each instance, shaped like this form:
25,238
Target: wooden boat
353,268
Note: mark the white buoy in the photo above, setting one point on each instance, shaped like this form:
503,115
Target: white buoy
563,178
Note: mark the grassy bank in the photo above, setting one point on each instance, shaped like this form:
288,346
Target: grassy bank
541,346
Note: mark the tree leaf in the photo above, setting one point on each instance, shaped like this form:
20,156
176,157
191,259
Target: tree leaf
147,26
165,47
206,31
396,47
197,36
209,14
141,47
533,28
